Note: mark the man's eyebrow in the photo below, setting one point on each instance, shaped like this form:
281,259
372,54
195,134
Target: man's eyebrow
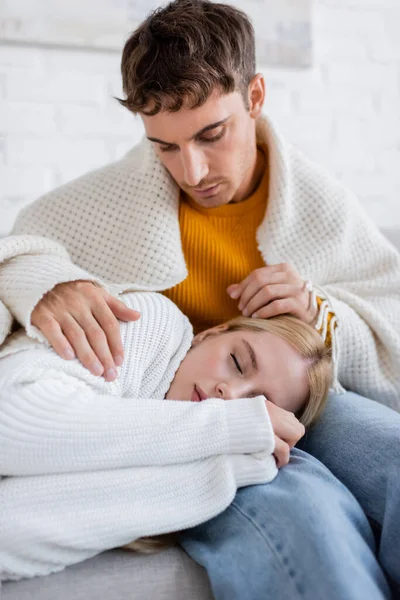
195,135
253,357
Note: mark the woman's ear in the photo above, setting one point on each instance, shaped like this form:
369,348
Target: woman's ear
208,332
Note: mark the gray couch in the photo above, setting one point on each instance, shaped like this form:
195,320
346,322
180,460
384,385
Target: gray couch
117,574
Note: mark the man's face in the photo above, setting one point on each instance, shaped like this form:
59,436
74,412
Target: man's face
210,151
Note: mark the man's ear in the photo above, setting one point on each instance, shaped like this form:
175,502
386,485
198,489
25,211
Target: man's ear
256,95
208,332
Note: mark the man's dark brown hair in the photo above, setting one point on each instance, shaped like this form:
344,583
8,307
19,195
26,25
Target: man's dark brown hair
182,52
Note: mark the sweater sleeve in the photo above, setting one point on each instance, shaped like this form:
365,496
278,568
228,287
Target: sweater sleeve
60,424
52,521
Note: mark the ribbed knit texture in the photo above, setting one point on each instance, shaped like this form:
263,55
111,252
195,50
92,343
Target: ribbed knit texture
121,225
220,248
93,465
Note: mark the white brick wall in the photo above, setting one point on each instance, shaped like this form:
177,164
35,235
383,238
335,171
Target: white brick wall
58,118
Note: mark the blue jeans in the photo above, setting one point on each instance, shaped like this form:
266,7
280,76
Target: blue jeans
365,456
306,534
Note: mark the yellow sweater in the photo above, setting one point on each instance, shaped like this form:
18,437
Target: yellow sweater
220,248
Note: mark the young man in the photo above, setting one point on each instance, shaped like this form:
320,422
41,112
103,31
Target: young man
220,213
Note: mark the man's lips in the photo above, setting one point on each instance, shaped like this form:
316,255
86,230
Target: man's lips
210,191
198,395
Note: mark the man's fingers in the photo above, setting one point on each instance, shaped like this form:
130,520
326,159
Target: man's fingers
121,311
110,325
273,290
83,350
80,317
264,296
281,452
99,343
262,276
277,307
54,335
249,291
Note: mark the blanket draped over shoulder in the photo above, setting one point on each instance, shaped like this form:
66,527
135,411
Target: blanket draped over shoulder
119,226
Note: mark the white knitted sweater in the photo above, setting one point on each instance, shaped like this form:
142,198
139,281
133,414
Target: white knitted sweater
93,465
119,225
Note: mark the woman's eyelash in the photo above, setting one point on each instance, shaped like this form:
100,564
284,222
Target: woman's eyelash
237,364
206,140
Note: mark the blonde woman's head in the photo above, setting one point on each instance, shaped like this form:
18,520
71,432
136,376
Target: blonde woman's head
281,358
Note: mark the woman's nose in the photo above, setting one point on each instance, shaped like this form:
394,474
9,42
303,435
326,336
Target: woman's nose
230,391
223,391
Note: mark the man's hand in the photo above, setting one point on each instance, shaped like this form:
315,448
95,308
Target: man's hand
80,319
274,290
288,431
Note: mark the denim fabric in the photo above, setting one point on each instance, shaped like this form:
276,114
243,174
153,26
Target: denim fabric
359,441
305,535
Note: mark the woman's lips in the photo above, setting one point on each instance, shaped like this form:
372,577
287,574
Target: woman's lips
198,395
195,395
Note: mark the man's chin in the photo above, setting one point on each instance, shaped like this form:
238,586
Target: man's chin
214,203
220,199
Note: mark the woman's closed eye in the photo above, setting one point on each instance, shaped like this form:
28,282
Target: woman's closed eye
236,362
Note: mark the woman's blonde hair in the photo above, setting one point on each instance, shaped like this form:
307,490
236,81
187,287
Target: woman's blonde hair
309,344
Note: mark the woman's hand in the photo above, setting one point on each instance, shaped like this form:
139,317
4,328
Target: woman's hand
288,431
274,290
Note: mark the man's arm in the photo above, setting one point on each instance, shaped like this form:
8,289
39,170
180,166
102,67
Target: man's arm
362,285
78,318
61,238
331,241
368,338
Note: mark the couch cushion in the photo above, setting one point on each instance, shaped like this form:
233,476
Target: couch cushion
116,575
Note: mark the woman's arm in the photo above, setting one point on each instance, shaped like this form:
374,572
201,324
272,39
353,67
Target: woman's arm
52,521
60,425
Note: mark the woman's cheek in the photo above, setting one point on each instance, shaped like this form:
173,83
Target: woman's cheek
215,367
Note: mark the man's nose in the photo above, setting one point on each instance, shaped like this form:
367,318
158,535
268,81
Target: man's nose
194,167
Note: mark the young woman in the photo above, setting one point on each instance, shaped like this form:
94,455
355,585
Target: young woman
91,465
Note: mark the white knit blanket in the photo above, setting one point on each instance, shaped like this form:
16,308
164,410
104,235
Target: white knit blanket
120,225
